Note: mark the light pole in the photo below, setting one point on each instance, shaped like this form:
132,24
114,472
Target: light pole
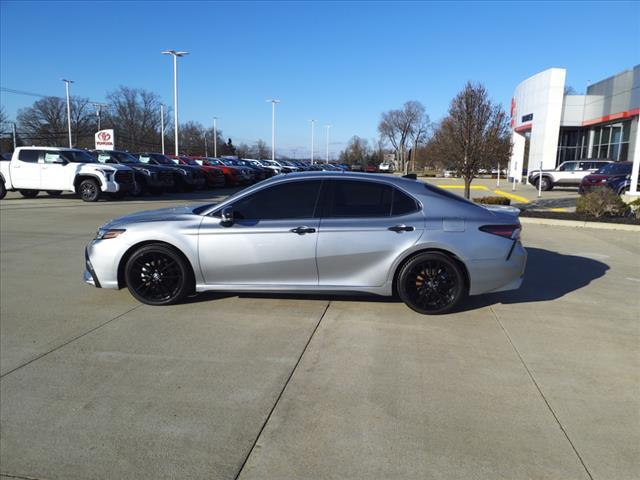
215,138
66,83
273,127
162,126
175,56
327,127
313,127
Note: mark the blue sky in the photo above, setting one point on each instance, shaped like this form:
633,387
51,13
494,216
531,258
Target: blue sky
341,63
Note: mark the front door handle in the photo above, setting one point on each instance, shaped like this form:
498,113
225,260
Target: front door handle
303,230
401,228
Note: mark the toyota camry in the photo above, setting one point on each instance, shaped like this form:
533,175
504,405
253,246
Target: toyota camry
326,232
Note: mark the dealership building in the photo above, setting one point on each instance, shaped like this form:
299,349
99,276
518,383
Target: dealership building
551,126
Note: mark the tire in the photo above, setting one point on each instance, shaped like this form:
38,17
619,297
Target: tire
547,184
89,190
158,275
54,193
431,283
3,189
29,193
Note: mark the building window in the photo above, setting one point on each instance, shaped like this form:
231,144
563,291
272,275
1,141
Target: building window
572,145
527,118
611,142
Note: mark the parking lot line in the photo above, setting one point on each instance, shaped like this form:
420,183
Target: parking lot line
512,196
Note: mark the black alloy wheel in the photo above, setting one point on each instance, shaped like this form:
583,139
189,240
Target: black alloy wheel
157,275
546,184
431,283
89,190
29,193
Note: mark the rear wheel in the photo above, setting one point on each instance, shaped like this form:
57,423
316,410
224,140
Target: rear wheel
89,190
29,193
431,283
3,189
157,275
546,184
54,193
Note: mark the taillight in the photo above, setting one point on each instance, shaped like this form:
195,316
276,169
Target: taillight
507,231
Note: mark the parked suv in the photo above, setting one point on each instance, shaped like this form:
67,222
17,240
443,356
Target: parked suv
185,177
604,175
566,174
149,178
55,170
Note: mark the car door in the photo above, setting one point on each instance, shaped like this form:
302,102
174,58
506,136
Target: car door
571,175
272,241
25,170
54,172
364,226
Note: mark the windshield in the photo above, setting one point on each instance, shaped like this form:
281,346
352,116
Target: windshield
163,160
190,161
615,169
77,156
125,157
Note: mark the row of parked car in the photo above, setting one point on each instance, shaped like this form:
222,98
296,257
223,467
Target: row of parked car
586,175
92,173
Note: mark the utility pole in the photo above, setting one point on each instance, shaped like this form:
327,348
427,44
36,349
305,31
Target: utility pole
66,83
273,128
175,56
206,153
162,126
327,127
215,138
313,125
13,130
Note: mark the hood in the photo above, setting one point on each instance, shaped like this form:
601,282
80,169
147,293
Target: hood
111,167
150,167
184,212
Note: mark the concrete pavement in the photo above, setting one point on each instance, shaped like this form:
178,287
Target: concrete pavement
538,383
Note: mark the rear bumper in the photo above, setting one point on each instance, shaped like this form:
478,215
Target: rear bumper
497,275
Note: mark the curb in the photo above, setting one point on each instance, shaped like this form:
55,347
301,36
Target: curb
579,224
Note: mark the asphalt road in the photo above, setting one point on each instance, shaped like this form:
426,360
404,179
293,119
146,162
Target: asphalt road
540,383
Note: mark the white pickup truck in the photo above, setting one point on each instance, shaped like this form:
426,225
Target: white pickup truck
55,170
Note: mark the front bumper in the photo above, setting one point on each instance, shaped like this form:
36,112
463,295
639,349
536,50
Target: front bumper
89,276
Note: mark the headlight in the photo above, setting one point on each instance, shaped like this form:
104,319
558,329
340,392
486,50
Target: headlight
107,233
106,173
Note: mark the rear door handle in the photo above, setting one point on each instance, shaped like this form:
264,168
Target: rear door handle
401,228
303,230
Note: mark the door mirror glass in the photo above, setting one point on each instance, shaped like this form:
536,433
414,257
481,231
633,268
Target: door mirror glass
227,217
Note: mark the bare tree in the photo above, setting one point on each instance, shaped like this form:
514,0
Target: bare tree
135,116
260,150
45,122
356,151
400,126
243,150
474,135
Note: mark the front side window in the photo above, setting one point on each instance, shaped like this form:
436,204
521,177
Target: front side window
568,167
284,201
30,156
352,198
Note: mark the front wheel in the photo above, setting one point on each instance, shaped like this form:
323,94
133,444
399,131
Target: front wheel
157,275
29,193
89,190
431,283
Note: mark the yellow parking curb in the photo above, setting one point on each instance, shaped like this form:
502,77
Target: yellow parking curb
512,196
472,187
558,209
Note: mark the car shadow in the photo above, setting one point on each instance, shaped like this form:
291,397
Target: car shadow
548,276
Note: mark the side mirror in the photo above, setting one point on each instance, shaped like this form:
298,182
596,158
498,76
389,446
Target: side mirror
227,217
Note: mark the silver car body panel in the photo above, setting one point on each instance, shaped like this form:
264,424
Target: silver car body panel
342,255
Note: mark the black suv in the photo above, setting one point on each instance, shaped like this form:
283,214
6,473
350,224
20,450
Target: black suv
149,178
186,178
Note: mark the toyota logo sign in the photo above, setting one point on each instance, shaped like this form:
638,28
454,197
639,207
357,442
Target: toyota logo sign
104,140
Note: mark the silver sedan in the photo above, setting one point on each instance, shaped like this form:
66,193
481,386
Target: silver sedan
315,232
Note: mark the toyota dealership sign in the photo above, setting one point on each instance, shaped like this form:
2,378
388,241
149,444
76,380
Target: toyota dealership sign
105,140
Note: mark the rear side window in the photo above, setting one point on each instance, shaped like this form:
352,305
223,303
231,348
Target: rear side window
352,198
283,201
30,156
402,203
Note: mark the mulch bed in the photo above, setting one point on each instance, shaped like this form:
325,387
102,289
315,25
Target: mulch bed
581,217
